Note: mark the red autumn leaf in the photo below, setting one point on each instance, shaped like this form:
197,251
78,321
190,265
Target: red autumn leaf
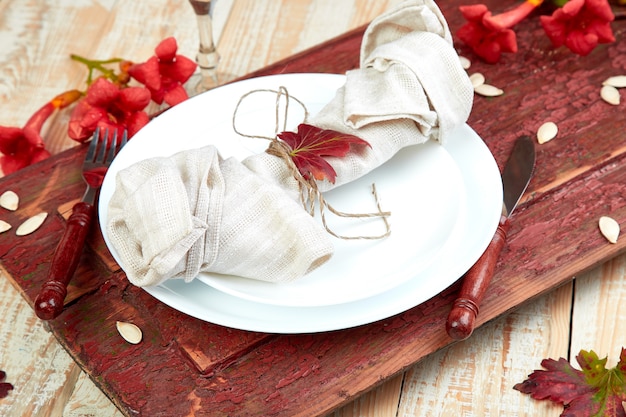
594,391
311,144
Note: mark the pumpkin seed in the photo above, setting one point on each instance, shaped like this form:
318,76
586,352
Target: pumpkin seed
610,94
4,226
477,79
609,228
617,81
130,332
9,200
546,132
488,90
31,224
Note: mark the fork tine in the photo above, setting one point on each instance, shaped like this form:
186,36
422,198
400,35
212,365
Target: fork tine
91,151
124,139
103,147
112,148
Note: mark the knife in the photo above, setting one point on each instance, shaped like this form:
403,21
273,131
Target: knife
516,175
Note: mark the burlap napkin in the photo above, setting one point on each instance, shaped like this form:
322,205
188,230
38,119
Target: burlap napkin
174,217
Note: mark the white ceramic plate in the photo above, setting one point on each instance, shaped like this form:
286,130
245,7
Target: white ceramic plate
479,198
421,186
483,190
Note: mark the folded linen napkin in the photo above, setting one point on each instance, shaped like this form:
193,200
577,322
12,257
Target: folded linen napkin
174,217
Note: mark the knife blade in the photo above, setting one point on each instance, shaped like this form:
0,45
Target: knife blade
516,176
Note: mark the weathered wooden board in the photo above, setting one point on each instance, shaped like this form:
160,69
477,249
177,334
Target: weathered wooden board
186,366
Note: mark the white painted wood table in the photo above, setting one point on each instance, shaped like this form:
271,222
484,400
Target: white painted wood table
470,378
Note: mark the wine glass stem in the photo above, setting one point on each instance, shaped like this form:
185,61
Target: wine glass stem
207,57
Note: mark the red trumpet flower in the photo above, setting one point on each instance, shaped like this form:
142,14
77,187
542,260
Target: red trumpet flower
165,73
580,25
108,106
21,147
489,36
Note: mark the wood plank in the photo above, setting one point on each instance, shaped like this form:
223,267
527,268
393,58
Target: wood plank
275,30
599,319
382,401
87,400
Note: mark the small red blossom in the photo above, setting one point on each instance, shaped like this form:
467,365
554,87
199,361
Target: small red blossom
580,25
490,36
311,144
25,146
165,73
108,106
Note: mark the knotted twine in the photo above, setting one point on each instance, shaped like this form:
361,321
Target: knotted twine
308,189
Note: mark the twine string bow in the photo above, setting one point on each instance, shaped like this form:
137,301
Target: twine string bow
308,189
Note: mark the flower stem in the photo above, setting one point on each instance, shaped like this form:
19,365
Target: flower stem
98,65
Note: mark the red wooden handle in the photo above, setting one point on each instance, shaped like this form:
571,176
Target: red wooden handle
49,303
460,323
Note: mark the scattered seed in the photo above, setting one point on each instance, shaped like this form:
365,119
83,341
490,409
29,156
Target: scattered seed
4,226
609,228
130,332
477,79
488,90
31,224
465,63
617,81
610,94
546,132
9,200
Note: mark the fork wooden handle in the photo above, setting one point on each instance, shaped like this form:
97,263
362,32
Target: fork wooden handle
460,323
49,302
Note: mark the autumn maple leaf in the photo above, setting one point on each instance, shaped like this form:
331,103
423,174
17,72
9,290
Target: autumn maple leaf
593,391
311,144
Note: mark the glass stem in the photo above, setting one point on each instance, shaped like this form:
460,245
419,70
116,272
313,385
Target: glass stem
207,57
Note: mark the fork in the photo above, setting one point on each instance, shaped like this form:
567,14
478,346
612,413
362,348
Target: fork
49,302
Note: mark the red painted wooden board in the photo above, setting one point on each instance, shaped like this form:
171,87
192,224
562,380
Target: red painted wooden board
186,366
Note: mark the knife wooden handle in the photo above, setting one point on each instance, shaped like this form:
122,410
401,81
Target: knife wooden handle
49,302
460,323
